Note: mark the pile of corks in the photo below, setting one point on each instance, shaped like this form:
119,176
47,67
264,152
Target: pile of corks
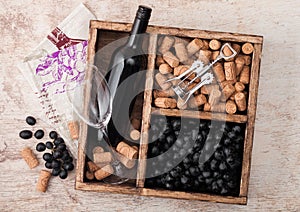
229,90
99,167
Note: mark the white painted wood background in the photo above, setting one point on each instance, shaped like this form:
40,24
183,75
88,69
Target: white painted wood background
275,173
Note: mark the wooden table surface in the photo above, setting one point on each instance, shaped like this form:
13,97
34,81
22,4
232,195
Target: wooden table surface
275,172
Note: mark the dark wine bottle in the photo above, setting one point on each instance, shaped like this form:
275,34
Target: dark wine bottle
125,73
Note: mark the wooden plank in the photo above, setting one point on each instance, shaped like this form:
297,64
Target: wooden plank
200,115
83,127
226,36
204,34
141,171
252,102
91,45
106,25
102,187
193,196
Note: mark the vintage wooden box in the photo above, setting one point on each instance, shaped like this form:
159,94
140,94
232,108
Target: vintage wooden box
101,33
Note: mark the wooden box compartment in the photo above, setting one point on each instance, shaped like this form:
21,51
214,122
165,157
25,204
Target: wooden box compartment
102,33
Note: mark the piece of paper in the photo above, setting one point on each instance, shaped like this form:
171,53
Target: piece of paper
58,58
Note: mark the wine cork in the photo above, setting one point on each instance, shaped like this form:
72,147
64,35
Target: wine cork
214,97
73,129
161,81
239,87
181,104
232,96
194,46
128,163
206,107
239,65
136,123
165,68
102,157
197,101
220,108
228,91
245,75
29,157
159,60
214,55
205,45
231,107
236,48
98,149
227,82
181,52
178,40
137,110
204,56
104,172
227,51
43,181
166,44
126,150
206,89
189,61
165,102
135,147
247,59
159,40
167,93
135,134
171,59
215,44
92,166
89,175
180,69
247,48
240,100
219,72
229,69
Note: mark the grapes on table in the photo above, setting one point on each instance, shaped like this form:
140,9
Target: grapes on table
59,158
39,134
30,120
25,134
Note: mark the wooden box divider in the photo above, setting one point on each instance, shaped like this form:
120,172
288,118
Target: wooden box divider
149,110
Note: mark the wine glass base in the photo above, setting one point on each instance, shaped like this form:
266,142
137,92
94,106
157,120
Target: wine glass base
115,180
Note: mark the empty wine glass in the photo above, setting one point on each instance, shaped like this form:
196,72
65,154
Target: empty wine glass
92,102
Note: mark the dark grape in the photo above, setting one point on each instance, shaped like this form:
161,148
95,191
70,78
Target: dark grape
48,157
53,135
40,147
58,141
56,164
68,166
184,179
63,174
61,147
30,120
57,154
25,134
48,165
49,145
56,171
39,134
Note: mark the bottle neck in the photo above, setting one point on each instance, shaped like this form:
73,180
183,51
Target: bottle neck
138,28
